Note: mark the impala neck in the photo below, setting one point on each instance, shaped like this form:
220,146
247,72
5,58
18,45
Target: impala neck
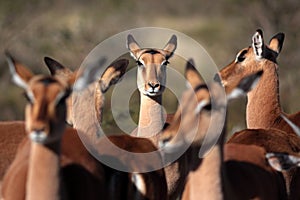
205,182
88,106
263,105
151,120
43,180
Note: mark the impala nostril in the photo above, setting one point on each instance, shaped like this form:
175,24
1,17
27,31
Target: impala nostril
39,130
153,84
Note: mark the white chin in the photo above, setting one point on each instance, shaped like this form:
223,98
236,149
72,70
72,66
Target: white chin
38,138
151,94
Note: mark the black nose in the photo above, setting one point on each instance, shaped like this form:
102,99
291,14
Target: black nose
217,78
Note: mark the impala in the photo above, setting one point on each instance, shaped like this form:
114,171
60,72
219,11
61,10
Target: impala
151,78
264,112
211,177
263,106
13,132
83,177
45,116
151,81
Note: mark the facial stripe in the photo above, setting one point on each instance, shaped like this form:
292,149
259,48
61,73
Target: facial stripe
199,87
59,96
200,106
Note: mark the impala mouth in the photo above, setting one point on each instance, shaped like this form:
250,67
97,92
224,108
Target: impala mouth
38,137
153,93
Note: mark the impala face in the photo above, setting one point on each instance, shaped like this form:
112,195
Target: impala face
250,60
151,77
46,97
199,108
46,108
199,105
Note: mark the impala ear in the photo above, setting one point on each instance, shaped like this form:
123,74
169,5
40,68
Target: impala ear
171,46
192,75
86,76
20,74
245,85
258,44
276,42
133,47
113,74
282,161
54,66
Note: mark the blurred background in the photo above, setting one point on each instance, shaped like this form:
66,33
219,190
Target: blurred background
68,30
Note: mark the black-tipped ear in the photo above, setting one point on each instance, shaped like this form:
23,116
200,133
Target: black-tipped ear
249,82
113,74
192,75
20,74
86,76
133,46
171,46
276,42
245,85
53,65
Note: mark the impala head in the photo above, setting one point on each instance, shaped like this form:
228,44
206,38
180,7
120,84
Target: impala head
201,106
110,76
45,111
151,78
259,56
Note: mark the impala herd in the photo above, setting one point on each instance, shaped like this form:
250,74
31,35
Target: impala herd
43,157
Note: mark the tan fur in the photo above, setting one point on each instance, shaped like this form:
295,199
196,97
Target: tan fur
11,134
263,107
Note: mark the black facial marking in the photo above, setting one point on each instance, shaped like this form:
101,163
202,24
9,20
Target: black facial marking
151,51
241,57
47,80
199,87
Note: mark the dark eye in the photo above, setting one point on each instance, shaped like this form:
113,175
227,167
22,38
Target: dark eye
207,107
242,56
139,63
62,100
165,62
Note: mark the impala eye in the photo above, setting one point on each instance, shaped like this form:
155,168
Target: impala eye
242,56
207,107
61,97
